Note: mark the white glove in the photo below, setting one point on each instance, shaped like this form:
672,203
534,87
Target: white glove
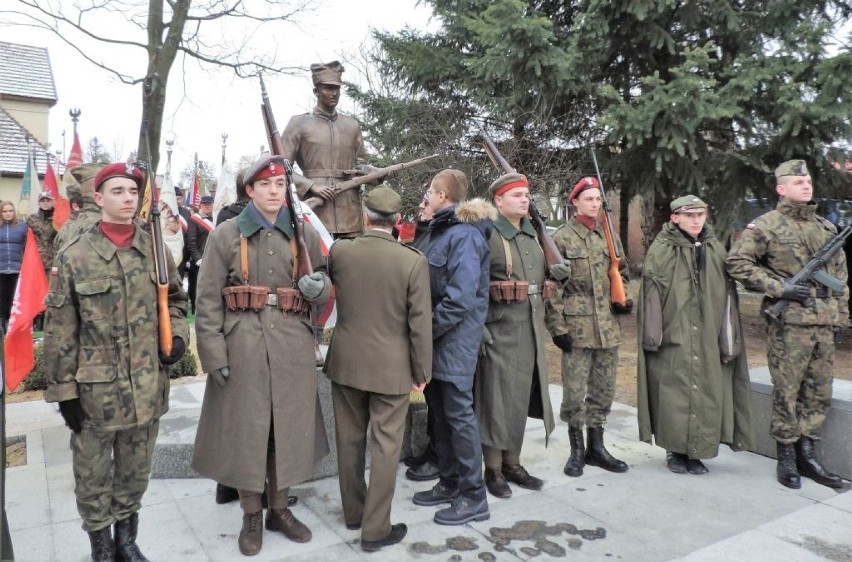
221,375
198,263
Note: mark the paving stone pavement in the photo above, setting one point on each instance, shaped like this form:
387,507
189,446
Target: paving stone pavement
735,512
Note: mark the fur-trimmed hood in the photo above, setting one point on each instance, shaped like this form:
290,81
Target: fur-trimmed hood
477,212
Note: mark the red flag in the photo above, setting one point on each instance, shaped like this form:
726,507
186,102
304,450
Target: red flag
28,303
61,205
76,156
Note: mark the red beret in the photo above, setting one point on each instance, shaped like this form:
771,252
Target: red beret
583,185
266,166
119,170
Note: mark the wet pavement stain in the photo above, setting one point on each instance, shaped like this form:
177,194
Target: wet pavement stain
540,533
821,547
457,543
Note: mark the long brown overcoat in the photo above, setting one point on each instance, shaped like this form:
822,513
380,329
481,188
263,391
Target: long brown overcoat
271,358
325,146
511,374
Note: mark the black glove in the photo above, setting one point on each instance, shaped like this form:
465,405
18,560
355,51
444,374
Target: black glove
838,334
178,349
72,413
798,293
564,342
626,308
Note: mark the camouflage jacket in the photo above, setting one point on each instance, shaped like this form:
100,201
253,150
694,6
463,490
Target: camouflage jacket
78,223
775,247
324,146
582,309
44,232
101,333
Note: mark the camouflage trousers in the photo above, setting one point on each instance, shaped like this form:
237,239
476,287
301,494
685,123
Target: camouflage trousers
801,363
111,472
588,386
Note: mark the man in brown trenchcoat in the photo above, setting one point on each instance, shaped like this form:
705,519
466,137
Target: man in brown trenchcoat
380,351
260,419
327,146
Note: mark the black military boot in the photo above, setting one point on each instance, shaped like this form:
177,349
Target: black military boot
809,465
597,455
226,494
577,460
786,472
126,549
103,549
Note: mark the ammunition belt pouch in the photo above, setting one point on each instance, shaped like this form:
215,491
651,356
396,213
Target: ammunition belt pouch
256,298
511,291
548,290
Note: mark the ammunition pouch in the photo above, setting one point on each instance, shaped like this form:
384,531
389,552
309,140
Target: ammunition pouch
548,291
291,300
256,298
245,297
511,291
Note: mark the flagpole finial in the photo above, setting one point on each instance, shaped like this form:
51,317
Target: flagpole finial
74,113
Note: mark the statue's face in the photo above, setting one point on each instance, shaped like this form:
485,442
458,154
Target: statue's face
327,96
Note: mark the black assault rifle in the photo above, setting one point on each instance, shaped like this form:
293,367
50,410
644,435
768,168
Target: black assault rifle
813,271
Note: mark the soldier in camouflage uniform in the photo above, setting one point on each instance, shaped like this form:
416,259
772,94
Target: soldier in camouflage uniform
87,213
801,350
41,222
102,361
583,324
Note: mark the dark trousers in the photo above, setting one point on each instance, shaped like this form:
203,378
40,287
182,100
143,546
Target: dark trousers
456,438
8,281
192,275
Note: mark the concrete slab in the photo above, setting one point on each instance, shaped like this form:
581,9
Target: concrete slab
737,511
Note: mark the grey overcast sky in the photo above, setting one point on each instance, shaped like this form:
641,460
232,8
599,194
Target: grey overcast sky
214,102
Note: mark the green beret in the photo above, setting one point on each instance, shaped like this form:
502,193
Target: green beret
383,199
506,182
687,203
792,168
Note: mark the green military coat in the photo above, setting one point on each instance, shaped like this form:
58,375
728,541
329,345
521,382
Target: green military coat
271,358
382,342
511,380
101,331
582,309
688,400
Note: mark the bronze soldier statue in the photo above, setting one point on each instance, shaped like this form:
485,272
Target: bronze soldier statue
328,147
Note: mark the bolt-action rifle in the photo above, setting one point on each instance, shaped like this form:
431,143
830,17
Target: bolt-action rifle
552,255
301,259
161,255
617,294
813,271
377,174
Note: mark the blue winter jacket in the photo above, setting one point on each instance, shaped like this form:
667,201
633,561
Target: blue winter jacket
12,240
459,260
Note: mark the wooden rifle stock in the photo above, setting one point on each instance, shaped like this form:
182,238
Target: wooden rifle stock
301,260
552,255
161,268
617,294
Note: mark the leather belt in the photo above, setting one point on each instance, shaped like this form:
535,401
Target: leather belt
334,174
534,289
